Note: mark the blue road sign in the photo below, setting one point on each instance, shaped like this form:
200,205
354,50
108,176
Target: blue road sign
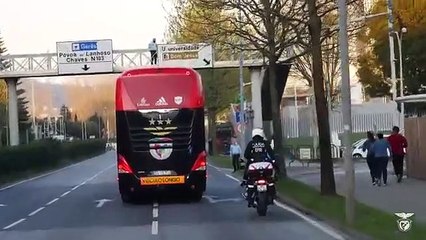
84,46
237,117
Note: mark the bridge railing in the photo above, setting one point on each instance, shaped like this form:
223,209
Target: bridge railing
47,62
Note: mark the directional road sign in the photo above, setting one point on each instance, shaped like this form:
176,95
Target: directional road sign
192,55
85,57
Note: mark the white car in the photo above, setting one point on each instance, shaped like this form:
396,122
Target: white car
357,149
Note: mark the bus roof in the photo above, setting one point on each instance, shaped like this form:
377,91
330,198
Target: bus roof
159,88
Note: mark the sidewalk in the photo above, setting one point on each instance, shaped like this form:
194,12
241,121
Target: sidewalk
408,196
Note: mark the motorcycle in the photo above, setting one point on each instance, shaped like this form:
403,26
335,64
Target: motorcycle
261,182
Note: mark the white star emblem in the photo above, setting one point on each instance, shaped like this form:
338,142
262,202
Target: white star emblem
151,121
168,121
160,121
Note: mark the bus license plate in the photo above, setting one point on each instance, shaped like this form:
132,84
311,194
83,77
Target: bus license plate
163,180
162,173
262,188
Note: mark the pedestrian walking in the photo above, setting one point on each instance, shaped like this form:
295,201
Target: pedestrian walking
381,150
372,165
152,47
398,144
235,153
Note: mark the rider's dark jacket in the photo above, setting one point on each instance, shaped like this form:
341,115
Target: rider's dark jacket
258,150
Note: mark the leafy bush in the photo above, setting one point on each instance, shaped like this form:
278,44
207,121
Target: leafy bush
46,154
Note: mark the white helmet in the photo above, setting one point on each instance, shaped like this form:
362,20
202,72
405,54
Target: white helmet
257,132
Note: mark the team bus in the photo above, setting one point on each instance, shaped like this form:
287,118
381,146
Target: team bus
160,131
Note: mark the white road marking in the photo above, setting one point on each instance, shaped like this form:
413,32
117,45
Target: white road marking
233,178
101,202
212,199
314,223
15,223
56,199
213,166
3,205
154,228
51,202
323,228
155,212
65,193
35,212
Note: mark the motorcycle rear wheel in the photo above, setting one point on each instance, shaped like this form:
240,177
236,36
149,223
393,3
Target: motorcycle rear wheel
262,204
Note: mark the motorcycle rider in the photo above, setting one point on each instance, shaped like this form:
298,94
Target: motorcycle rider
257,150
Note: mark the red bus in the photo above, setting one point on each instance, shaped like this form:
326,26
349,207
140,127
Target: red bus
160,131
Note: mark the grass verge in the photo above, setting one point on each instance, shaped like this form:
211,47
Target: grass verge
369,221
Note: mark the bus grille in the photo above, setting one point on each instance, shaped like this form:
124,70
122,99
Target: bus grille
182,138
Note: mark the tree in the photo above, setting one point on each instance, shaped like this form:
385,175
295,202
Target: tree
65,113
23,113
96,120
3,110
371,77
311,65
266,27
188,25
3,92
375,66
328,185
4,63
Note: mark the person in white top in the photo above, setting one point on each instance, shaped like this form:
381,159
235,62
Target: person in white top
152,46
235,153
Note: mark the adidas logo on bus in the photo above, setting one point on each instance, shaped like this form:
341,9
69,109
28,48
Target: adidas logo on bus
161,102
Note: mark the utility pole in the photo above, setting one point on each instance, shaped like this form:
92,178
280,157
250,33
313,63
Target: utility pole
346,112
241,78
391,49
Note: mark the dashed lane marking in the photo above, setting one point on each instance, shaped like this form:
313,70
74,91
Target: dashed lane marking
15,223
56,199
35,212
154,226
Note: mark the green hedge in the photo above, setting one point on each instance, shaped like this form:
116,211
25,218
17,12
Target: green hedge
46,154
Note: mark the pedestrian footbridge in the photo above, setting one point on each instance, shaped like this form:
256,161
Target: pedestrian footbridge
46,65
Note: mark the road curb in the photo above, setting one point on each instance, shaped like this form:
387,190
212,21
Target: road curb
348,232
344,230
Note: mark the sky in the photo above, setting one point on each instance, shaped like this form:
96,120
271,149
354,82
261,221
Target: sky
34,26
29,26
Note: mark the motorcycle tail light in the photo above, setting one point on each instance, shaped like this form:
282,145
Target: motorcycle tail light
261,182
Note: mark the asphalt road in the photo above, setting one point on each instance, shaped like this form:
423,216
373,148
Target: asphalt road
82,202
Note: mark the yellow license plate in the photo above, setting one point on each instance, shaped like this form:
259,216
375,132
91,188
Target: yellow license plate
164,180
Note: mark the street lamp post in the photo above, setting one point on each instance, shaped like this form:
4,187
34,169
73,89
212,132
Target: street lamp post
401,76
391,49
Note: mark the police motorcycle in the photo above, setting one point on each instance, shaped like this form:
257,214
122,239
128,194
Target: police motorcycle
261,180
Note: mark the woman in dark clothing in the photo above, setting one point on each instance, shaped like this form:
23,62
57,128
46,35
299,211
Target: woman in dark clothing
372,165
